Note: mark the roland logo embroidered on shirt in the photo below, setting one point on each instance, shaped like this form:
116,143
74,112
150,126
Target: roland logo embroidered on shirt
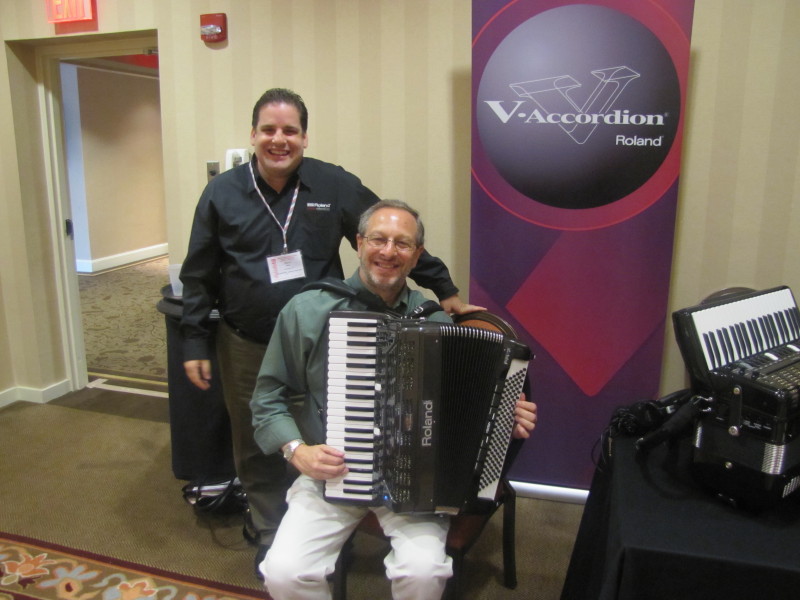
319,206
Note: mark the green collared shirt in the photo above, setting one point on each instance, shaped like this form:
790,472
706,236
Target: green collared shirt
294,365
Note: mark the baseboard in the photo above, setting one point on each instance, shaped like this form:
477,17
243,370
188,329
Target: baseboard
118,260
42,396
550,492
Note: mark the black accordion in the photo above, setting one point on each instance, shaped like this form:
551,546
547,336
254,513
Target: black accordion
423,411
743,354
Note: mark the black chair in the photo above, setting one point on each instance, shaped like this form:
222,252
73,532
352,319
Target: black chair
466,528
727,294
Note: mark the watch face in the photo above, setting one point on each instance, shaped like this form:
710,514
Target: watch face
288,453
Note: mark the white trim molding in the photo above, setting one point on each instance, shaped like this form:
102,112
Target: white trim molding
43,396
118,260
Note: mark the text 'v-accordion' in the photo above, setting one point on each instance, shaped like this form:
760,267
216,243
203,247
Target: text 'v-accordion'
423,411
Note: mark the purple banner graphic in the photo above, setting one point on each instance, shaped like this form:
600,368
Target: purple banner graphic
577,126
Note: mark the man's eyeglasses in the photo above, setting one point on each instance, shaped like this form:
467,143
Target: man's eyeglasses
378,242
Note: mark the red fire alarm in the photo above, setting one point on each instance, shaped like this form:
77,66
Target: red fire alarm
214,27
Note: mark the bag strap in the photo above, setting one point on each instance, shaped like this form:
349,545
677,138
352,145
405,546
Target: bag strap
370,300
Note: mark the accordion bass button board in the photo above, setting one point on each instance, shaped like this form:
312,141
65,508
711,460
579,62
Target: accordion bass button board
423,411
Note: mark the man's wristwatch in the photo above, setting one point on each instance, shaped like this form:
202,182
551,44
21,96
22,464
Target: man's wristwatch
288,449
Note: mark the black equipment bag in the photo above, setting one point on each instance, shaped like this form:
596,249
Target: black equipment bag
219,498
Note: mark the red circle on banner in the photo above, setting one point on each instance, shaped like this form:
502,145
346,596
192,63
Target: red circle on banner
492,34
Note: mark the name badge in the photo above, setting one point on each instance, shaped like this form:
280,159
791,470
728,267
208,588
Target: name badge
285,267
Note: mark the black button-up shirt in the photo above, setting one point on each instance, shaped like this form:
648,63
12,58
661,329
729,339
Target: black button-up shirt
233,234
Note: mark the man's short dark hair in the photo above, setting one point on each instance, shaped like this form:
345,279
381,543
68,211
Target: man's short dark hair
398,204
279,96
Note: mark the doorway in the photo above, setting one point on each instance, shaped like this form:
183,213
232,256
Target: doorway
112,130
92,51
113,152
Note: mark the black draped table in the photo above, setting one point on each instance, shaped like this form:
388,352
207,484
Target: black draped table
650,532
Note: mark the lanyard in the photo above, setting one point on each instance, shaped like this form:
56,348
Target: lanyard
284,228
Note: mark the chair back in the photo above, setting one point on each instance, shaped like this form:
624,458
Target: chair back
486,320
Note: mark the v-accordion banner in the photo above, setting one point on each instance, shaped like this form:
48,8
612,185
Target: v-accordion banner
577,118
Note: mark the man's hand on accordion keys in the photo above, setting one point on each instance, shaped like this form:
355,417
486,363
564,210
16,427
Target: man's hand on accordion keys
325,462
319,461
525,415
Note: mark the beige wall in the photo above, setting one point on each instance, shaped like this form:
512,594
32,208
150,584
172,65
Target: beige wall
739,203
123,164
387,84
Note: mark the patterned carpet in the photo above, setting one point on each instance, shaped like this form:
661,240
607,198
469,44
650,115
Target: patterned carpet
30,569
123,331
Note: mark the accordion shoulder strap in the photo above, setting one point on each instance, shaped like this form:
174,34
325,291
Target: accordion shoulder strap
426,308
371,301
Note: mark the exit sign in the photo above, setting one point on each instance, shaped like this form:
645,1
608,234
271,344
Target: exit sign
67,11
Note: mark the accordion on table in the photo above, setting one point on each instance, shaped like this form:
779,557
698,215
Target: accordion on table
423,411
743,353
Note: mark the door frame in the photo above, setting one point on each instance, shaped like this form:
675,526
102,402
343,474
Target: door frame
48,58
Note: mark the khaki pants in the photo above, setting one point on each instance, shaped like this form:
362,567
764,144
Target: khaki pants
265,478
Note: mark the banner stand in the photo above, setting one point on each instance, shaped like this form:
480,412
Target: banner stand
549,492
578,111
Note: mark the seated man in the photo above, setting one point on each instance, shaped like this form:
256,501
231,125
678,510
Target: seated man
311,534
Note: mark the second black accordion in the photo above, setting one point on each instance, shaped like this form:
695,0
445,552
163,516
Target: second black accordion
422,410
742,352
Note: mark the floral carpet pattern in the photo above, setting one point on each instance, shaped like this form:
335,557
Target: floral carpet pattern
34,570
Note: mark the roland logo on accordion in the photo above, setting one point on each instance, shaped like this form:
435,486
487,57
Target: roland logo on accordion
427,423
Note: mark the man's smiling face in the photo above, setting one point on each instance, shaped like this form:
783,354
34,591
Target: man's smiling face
279,141
384,269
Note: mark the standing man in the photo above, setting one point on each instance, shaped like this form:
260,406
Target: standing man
311,534
262,231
